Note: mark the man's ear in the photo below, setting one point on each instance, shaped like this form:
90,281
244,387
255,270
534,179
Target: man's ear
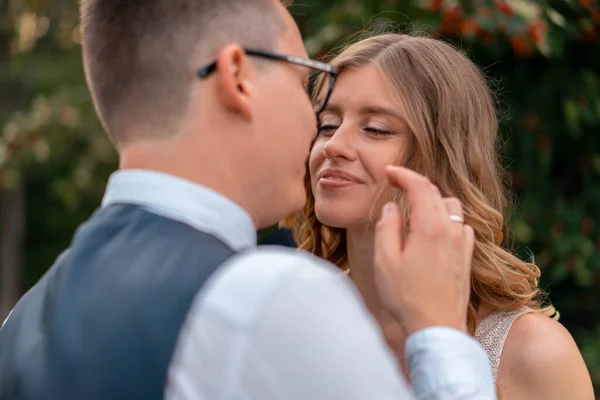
234,88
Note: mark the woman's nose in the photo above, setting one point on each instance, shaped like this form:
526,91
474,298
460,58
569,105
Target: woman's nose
341,145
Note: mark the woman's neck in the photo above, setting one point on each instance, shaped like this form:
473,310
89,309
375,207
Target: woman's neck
360,248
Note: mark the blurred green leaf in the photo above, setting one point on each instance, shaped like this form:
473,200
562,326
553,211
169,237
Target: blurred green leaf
545,55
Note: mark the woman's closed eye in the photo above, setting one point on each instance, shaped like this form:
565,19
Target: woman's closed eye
376,131
327,128
331,128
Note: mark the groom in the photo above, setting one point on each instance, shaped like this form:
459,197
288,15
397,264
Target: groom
162,293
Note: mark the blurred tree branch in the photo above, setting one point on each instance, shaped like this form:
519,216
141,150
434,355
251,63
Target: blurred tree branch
12,220
545,54
11,247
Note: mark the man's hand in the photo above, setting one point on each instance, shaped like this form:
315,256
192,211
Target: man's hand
424,281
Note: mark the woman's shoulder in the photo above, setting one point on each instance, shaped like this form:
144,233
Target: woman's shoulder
535,338
541,357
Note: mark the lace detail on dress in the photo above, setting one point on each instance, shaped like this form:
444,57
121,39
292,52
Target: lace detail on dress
493,331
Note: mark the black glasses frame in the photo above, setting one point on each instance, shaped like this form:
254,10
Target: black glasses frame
316,65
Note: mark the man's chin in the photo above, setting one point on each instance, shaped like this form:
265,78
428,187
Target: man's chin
292,207
298,203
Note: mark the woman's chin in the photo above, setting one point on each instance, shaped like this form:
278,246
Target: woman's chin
335,219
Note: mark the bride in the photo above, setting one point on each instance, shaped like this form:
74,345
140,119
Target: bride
421,103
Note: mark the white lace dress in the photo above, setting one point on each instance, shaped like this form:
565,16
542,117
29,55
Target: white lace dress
492,332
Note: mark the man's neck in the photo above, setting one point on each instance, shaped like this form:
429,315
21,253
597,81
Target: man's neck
169,158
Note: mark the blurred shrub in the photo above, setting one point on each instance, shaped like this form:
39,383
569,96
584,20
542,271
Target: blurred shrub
543,58
545,55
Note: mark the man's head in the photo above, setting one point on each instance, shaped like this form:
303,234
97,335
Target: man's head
245,130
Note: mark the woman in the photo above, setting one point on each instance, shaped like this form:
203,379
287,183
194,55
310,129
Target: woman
421,103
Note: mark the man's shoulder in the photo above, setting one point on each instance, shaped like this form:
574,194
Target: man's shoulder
251,279
283,260
269,266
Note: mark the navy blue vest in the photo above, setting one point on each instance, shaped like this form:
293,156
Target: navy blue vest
103,322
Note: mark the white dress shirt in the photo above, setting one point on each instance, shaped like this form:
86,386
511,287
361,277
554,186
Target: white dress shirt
275,323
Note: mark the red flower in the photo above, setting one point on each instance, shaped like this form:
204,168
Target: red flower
590,36
435,5
521,46
571,262
452,14
486,38
484,12
470,27
503,7
537,30
33,138
543,143
531,121
451,21
587,226
557,230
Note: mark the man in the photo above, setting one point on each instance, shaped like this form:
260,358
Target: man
162,293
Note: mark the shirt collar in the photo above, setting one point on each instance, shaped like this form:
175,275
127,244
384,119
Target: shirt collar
185,201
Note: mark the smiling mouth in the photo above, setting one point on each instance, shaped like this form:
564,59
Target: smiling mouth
329,181
335,178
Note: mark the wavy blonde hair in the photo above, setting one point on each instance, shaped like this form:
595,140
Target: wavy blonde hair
449,109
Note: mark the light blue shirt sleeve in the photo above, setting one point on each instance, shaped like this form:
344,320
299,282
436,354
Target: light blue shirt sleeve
277,324
445,363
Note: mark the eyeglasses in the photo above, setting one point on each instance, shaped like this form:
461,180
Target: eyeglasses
317,69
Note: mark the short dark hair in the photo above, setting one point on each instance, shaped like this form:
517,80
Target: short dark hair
139,55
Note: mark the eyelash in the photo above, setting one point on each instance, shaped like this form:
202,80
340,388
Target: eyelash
375,131
326,127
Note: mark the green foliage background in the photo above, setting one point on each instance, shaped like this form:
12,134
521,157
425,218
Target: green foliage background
544,56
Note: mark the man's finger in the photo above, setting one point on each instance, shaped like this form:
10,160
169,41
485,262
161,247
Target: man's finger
469,235
453,206
469,244
426,207
435,190
388,238
455,211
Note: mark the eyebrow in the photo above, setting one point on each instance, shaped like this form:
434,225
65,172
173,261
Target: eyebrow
367,110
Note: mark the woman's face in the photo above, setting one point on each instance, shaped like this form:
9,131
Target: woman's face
360,133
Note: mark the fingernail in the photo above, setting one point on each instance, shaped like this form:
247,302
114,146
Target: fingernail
390,209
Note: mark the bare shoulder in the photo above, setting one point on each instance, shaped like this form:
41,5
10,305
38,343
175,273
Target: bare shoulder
540,359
